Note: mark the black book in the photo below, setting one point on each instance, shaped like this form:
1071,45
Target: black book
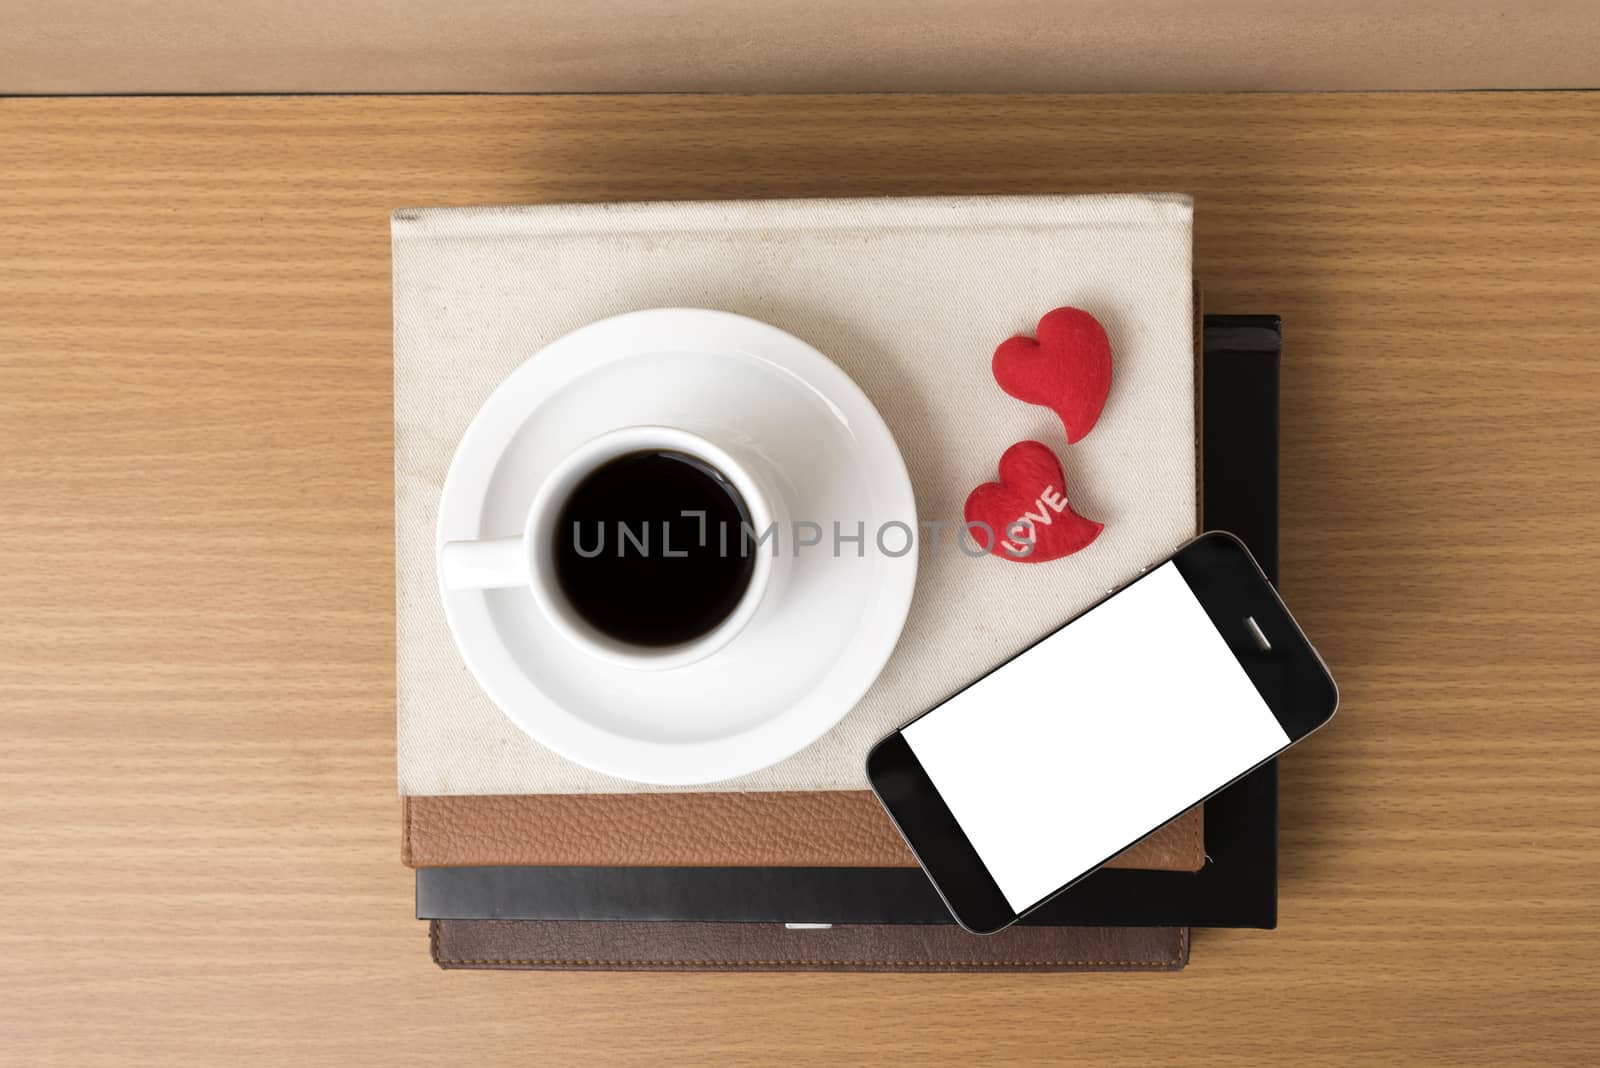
1237,887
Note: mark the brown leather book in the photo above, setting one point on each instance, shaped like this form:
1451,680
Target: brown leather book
808,829
823,829
568,945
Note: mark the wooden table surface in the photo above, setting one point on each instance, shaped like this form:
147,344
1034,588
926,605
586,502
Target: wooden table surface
199,836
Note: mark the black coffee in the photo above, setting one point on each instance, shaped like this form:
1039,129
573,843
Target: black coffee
635,567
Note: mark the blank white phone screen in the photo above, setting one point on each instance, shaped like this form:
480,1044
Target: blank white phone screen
1094,737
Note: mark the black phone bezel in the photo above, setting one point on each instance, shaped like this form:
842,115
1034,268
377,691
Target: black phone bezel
1230,586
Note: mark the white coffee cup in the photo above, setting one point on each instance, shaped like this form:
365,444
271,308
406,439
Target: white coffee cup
529,560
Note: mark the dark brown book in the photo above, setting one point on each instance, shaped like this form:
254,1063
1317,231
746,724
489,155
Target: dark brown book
542,945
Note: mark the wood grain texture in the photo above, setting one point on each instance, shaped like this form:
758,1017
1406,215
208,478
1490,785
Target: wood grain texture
198,823
742,46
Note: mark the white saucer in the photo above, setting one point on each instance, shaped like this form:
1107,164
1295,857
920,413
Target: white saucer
780,684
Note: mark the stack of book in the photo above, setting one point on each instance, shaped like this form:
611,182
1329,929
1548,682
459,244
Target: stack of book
525,861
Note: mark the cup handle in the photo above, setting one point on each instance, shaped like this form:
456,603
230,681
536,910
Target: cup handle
483,565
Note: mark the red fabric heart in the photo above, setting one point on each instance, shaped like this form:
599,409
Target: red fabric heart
1028,503
1068,369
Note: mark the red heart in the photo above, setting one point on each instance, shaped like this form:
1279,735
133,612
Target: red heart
1068,370
1029,502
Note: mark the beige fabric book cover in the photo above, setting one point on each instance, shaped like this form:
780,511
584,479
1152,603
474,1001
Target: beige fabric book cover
910,297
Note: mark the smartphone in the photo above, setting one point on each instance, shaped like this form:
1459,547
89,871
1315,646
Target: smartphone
1030,778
